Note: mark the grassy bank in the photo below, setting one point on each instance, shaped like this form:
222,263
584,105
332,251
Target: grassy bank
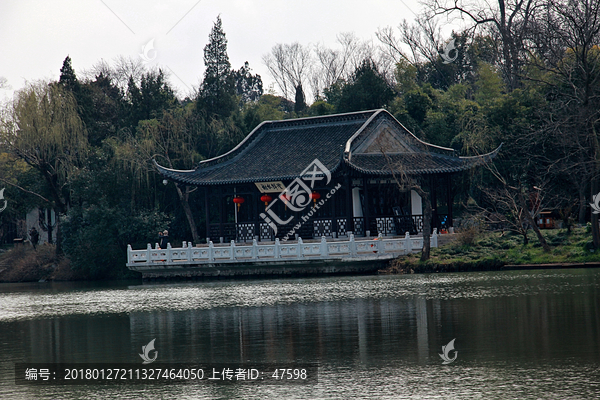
24,264
474,251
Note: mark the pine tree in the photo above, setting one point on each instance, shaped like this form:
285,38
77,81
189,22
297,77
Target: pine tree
218,88
300,104
67,76
248,87
367,90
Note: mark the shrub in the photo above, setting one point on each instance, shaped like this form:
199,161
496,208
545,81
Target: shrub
468,235
24,264
95,237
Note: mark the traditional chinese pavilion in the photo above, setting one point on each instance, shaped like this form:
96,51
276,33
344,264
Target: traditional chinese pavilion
325,176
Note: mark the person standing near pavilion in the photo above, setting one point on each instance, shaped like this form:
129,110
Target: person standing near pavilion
163,239
34,237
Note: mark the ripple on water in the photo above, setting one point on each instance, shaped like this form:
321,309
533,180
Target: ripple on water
205,295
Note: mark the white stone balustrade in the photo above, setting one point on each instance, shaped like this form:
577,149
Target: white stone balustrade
232,253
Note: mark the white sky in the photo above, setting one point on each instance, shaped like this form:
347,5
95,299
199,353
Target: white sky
36,36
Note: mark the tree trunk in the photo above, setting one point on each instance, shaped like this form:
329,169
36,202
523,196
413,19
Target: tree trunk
594,187
595,227
184,198
60,208
582,204
59,250
427,212
531,221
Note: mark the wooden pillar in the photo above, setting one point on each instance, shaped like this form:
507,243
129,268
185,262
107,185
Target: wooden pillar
258,206
221,218
207,211
367,204
450,199
349,205
434,214
334,222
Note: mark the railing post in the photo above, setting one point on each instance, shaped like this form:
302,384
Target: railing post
324,252
232,247
189,252
434,238
211,256
254,249
277,250
299,249
148,253
352,246
129,250
407,243
169,256
380,244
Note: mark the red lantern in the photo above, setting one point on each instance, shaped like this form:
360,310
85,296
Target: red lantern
315,196
266,198
238,200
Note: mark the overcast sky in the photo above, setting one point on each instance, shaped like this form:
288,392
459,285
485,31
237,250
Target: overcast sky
36,36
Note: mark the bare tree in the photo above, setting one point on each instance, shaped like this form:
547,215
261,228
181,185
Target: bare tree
419,45
122,69
290,66
569,32
423,39
335,65
4,83
512,20
510,203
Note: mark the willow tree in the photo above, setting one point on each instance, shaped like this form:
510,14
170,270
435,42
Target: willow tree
45,131
171,141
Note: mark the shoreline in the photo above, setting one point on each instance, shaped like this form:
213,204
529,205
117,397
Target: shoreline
461,252
593,264
485,251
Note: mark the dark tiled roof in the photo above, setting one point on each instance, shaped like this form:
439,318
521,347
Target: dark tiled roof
281,150
416,163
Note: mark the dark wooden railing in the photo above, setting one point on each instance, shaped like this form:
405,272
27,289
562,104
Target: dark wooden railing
387,225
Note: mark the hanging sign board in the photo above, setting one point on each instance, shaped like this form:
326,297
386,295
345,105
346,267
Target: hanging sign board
270,187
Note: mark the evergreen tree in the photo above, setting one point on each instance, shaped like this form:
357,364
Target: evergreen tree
367,90
218,88
300,104
103,108
151,98
67,76
249,87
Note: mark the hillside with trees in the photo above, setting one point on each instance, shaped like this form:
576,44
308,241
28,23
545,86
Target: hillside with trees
524,73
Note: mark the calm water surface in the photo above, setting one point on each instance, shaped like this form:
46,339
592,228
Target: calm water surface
519,334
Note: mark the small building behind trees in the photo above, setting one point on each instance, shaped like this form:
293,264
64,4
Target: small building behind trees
325,176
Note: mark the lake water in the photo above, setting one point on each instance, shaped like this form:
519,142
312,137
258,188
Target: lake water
518,334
